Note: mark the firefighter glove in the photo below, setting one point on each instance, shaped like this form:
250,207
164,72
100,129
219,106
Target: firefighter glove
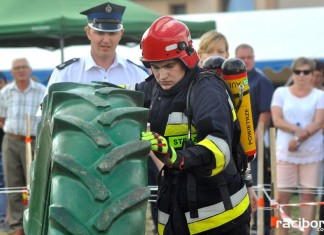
163,150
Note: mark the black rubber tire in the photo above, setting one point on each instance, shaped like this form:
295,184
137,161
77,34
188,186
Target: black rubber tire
90,172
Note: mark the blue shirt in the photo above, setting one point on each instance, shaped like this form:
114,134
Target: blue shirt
261,91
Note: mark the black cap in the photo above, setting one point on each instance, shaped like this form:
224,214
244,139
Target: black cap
106,17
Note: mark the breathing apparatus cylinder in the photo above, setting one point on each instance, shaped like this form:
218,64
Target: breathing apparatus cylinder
214,63
235,75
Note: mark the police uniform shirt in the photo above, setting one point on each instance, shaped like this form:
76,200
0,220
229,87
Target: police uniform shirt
85,70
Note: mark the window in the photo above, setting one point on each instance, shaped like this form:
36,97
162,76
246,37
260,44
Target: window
176,9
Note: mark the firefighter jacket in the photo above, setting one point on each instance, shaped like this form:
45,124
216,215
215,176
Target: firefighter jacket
191,201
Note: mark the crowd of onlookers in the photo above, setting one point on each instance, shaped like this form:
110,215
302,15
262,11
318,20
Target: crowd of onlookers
296,110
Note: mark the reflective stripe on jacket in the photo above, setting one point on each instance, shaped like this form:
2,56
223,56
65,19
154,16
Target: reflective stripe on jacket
220,150
176,130
212,216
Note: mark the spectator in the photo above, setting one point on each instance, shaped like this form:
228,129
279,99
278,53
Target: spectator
3,196
167,50
212,43
298,114
318,75
261,87
17,100
3,80
317,82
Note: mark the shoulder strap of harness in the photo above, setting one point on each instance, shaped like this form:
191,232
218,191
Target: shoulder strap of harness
67,63
190,97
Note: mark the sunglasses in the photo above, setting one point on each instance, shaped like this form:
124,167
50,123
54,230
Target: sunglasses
306,72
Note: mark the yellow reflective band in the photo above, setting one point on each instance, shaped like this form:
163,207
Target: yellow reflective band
161,228
232,107
177,129
218,208
177,141
212,216
162,219
234,115
174,156
220,219
129,86
219,156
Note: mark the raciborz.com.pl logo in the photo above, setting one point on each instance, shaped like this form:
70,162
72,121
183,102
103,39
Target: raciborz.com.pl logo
301,224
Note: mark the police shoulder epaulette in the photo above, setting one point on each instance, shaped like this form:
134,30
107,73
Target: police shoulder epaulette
137,65
67,63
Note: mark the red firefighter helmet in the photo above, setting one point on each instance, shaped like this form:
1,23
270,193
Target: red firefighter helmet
168,39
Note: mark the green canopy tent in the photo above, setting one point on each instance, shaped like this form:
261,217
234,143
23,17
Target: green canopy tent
55,24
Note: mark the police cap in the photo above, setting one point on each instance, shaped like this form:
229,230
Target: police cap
106,17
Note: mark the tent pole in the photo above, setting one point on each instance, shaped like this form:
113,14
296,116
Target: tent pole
62,48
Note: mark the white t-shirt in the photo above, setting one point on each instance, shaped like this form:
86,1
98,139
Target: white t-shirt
299,111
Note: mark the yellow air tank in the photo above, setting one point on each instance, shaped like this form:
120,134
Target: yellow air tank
235,75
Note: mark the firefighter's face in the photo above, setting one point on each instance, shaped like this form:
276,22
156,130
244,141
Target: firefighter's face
168,73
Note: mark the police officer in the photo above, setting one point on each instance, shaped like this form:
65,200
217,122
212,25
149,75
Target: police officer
104,31
200,189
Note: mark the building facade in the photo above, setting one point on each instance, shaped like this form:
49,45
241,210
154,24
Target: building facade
173,7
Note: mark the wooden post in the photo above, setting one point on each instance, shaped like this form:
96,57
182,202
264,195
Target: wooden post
274,191
260,156
28,151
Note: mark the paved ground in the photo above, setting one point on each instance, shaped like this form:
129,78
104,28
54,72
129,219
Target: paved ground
149,229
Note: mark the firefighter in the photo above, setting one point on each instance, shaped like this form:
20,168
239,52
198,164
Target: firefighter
200,188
